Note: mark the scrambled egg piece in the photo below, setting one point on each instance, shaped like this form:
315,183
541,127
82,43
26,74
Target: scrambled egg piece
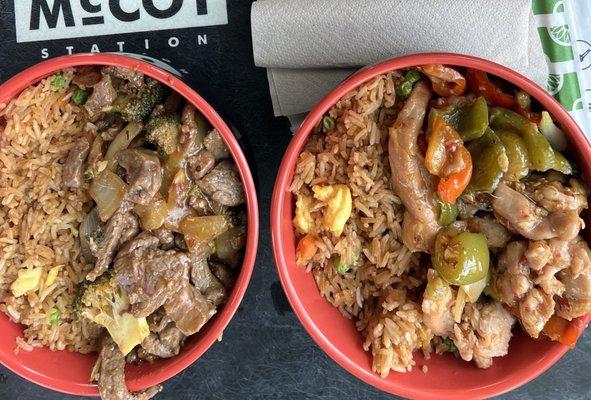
337,199
28,280
51,275
303,217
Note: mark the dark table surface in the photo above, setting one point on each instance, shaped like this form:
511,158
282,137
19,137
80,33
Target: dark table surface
265,352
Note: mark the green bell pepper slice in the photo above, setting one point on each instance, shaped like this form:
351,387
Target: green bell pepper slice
470,121
489,160
517,155
541,154
447,212
461,258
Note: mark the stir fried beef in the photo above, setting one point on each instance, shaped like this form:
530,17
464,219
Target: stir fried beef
214,143
206,282
410,179
200,164
223,273
119,227
87,76
164,344
526,218
144,173
153,278
223,184
111,381
166,225
189,309
103,95
135,78
484,333
74,166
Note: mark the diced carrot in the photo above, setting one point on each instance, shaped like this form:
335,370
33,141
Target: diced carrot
306,249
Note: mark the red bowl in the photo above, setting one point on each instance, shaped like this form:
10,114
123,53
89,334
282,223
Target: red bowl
447,377
69,372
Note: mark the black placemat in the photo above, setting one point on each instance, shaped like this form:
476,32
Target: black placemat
265,353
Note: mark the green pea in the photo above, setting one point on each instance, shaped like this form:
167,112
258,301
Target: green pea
328,123
447,212
55,316
340,266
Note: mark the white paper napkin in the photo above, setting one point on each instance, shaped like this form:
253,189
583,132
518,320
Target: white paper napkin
304,43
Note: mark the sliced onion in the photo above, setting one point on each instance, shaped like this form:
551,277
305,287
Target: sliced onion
229,244
121,141
107,190
458,307
205,228
474,290
88,227
553,133
153,214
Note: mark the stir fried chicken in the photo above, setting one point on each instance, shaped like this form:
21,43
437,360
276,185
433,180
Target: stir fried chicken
410,179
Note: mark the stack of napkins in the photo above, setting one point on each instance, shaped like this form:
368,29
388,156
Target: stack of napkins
309,46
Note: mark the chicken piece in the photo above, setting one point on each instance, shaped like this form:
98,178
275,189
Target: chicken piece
438,300
528,278
496,234
484,333
553,195
200,164
111,380
469,204
74,165
547,259
512,279
410,180
538,254
535,310
223,185
216,145
576,299
144,174
524,217
103,95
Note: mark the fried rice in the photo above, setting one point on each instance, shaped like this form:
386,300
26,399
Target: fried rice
39,217
381,292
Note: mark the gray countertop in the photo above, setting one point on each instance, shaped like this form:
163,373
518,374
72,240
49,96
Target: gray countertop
265,352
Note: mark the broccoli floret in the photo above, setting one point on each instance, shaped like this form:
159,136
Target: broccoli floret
105,302
136,108
164,132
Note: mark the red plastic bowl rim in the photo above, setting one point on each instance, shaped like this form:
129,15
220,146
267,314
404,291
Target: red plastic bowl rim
281,192
18,83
